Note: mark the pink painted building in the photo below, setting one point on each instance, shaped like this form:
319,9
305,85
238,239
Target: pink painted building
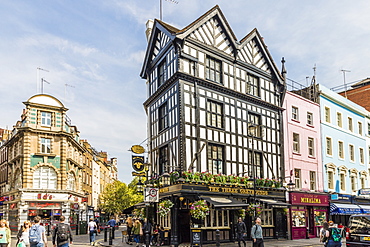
303,166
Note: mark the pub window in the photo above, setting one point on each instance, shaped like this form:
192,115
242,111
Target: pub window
266,216
45,145
215,159
329,150
352,152
45,118
330,179
296,142
163,159
297,177
161,73
339,119
217,218
255,168
350,124
341,149
309,118
311,147
327,114
163,116
254,120
312,180
213,70
215,114
165,221
295,113
360,128
253,85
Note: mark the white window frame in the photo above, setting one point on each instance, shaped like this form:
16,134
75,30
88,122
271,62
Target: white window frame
296,143
340,149
45,145
342,172
310,118
327,114
311,146
312,180
330,172
362,156
45,118
45,177
359,124
329,146
339,119
298,178
351,151
295,113
350,124
213,219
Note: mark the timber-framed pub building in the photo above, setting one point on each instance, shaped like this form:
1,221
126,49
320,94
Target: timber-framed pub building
214,106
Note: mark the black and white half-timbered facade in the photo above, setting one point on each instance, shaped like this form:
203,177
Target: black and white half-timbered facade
214,107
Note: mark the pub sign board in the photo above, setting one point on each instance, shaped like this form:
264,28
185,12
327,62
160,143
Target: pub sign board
196,237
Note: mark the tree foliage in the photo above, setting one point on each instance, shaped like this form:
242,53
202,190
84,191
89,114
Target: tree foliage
118,196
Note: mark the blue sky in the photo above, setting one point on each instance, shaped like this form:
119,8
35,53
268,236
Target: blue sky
97,47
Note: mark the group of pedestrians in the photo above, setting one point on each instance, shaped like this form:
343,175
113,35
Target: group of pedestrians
330,235
256,232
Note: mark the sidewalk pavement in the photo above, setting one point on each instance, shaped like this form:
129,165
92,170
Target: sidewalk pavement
83,241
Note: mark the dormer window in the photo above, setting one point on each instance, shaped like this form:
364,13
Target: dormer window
161,73
45,118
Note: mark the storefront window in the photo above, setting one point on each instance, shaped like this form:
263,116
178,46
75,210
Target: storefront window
320,217
266,217
298,218
217,218
165,221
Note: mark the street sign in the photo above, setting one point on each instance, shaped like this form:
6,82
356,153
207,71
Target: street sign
151,195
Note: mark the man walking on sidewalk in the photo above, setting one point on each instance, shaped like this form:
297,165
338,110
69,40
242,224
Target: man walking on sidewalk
257,233
62,234
241,231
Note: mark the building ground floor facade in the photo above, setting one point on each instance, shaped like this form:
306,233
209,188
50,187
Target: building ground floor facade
226,205
21,205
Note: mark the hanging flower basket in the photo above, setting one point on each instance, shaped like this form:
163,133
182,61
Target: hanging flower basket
164,207
254,209
199,210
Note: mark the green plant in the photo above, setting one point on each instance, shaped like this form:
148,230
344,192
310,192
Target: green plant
199,209
164,207
254,209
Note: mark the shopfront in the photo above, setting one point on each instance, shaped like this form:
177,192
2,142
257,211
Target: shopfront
226,204
342,207
307,213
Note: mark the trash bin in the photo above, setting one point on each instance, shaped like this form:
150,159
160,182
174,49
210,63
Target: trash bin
83,227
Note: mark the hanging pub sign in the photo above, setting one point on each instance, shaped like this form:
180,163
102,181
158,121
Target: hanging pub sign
137,149
138,163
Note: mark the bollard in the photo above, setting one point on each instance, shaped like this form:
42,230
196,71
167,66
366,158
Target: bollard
48,230
105,234
147,238
112,232
218,238
308,229
110,237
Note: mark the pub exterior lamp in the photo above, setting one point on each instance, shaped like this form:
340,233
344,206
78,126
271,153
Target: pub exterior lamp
291,185
166,179
180,180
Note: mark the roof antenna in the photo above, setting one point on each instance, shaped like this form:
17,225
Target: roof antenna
161,7
344,81
38,77
65,90
42,84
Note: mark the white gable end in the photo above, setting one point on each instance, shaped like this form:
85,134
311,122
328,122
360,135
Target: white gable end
211,33
161,41
251,54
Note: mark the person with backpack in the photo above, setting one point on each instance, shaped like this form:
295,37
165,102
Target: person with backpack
257,233
334,236
23,234
37,234
62,234
241,231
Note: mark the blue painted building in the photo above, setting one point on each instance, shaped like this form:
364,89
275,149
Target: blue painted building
344,151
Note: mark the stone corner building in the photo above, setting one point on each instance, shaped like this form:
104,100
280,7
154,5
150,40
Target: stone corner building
48,170
205,90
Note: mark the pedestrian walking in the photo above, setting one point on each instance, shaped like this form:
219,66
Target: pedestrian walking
241,231
323,238
257,233
136,230
334,236
24,233
112,222
130,225
37,235
92,229
62,234
5,234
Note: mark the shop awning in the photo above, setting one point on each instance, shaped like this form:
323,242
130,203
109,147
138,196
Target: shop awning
224,203
365,208
346,209
275,204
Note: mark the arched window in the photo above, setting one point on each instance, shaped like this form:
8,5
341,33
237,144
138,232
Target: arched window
71,182
45,178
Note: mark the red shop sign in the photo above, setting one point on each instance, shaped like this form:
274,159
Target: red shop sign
309,199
